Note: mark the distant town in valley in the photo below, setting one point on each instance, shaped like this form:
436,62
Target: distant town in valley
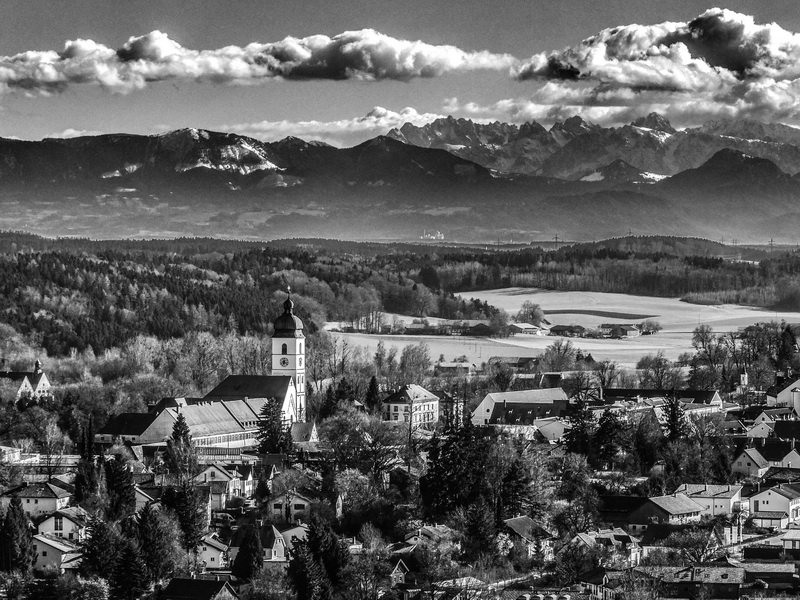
239,420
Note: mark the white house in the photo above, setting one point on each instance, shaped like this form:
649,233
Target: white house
31,384
760,430
291,507
781,498
55,552
70,523
716,500
412,403
750,464
529,404
37,498
212,553
218,472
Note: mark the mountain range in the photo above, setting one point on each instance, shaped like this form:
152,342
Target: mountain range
471,181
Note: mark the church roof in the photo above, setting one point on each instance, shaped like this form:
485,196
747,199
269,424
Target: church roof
288,325
251,386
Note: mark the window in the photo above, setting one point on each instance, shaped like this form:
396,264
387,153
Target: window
284,349
59,523
213,474
277,506
44,552
212,559
299,506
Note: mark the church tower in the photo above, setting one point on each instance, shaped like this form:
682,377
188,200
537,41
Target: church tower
289,352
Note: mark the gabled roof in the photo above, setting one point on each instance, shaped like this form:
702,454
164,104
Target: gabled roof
754,455
621,505
774,450
410,393
693,396
302,432
787,490
783,386
700,490
251,386
128,424
527,528
37,490
787,430
677,504
194,589
76,514
540,396
56,542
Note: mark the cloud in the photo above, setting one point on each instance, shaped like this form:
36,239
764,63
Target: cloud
341,132
72,133
363,55
720,64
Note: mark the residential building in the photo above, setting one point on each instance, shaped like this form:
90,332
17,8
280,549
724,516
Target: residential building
412,403
212,553
37,498
30,384
786,429
528,405
217,473
780,498
676,509
749,463
70,523
198,589
531,536
785,393
716,500
760,430
55,553
291,507
623,548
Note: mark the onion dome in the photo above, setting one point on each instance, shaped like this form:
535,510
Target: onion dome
288,325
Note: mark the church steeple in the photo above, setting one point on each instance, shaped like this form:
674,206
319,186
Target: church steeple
288,351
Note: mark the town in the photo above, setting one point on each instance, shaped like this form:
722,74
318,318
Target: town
550,477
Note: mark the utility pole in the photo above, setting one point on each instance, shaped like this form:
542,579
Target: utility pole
771,245
556,241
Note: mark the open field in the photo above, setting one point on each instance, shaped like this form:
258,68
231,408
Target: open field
589,309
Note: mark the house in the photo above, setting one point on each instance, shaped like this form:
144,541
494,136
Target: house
791,540
30,384
617,511
247,479
771,415
787,430
180,588
623,547
707,581
436,535
398,574
70,523
525,329
749,463
276,544
719,534
777,452
623,331
523,406
212,553
668,510
531,536
455,369
781,498
37,498
602,583
517,364
216,473
760,430
291,507
568,330
769,519
716,500
412,403
786,393
55,552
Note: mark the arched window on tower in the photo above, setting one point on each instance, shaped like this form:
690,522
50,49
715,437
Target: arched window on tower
300,348
284,349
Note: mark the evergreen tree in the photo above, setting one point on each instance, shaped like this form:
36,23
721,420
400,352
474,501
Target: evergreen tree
16,540
675,419
186,503
327,549
480,530
306,575
607,437
121,488
579,437
99,550
129,579
157,543
181,457
273,437
372,399
250,558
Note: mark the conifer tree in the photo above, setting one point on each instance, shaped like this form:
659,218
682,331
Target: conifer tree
99,550
16,540
579,437
607,437
181,457
250,558
372,399
157,543
186,503
327,549
675,419
129,578
307,576
273,437
121,488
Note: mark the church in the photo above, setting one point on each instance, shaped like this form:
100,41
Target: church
228,415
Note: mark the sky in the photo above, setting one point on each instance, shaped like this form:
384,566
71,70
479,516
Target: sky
343,71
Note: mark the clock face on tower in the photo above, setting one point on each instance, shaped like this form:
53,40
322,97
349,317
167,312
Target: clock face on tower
284,362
